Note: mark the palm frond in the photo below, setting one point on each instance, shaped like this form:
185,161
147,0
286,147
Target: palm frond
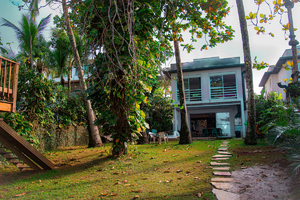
43,24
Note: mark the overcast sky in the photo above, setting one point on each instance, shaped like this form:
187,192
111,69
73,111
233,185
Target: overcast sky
265,47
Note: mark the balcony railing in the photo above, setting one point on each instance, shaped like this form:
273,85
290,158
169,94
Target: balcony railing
8,84
223,92
191,95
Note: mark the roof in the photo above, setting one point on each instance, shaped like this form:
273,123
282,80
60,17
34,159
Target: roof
275,69
208,64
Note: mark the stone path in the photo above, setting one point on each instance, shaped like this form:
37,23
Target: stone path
222,179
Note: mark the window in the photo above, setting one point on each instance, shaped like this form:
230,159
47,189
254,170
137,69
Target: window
192,87
223,86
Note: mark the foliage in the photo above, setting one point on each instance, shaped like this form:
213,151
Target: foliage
36,94
272,111
28,32
69,110
294,89
2,49
276,8
22,126
281,123
159,111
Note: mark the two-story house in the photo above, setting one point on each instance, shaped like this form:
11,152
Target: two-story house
277,73
215,96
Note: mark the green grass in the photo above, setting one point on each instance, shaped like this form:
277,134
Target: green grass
149,171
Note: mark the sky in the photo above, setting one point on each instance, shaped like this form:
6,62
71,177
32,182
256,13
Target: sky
266,48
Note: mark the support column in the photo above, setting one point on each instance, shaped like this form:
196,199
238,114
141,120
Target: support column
243,119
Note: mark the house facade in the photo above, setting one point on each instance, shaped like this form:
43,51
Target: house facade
277,73
215,97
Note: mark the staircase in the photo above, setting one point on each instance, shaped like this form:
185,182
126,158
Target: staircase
17,145
12,159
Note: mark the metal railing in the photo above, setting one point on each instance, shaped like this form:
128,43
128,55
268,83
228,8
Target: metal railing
191,95
8,84
223,92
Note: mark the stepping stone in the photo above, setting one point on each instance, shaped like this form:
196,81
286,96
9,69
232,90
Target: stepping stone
222,173
222,180
221,156
223,149
224,152
216,163
224,145
225,142
221,168
223,195
222,186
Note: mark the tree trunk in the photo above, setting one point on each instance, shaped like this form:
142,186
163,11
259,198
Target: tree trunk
251,129
90,113
185,133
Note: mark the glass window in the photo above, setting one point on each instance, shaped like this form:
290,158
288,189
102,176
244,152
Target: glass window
223,122
216,81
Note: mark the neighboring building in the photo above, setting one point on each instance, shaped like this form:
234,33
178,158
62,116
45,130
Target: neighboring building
215,96
277,73
74,78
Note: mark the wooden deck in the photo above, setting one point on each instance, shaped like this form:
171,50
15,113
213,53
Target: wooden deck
15,147
8,84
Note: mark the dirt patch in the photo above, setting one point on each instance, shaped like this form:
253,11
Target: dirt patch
265,182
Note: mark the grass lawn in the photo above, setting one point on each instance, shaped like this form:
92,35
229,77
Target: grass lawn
167,171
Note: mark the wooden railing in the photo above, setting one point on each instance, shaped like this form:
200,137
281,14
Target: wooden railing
8,84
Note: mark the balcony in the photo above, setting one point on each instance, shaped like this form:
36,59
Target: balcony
223,92
191,95
8,84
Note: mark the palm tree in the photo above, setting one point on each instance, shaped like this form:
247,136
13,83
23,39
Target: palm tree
28,31
251,126
62,51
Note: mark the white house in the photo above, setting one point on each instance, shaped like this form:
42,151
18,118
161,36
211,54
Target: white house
277,73
215,96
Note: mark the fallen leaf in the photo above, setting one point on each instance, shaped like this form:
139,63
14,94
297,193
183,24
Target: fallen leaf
118,183
275,196
196,177
112,168
248,159
188,172
103,178
136,191
196,155
199,195
144,178
179,178
166,161
199,161
104,194
71,196
136,196
125,181
55,182
263,176
258,179
167,171
116,173
156,169
179,171
151,192
18,195
113,194
152,158
40,181
166,181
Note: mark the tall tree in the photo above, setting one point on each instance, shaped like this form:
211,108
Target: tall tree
28,32
251,125
181,15
185,133
90,113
